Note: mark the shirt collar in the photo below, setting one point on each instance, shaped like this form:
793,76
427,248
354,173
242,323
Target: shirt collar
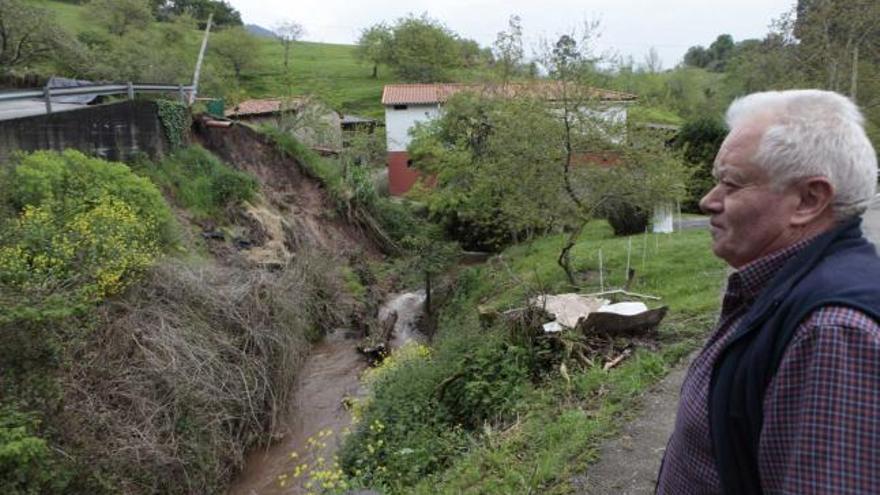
747,282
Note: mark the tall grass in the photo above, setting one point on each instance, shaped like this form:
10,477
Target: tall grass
198,181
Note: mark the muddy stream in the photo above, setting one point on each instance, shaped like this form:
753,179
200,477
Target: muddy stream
313,430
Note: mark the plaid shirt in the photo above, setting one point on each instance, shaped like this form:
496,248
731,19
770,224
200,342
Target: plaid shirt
821,430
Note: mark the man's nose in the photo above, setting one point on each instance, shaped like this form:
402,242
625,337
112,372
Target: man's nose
712,201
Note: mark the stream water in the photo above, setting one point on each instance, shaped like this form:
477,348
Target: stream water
330,374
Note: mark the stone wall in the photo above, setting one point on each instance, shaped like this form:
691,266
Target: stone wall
114,131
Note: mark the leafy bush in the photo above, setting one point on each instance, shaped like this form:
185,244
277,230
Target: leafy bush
424,407
83,230
488,383
625,218
496,169
200,182
72,182
26,462
700,139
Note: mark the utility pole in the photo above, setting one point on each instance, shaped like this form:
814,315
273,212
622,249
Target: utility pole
195,84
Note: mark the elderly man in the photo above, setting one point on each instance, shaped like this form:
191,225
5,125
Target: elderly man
785,396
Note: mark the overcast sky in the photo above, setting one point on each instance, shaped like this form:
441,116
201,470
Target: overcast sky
629,27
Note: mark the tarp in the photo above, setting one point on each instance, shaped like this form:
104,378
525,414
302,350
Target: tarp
63,82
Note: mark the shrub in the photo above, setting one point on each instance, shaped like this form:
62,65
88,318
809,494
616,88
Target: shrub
71,182
424,406
700,139
26,462
83,230
200,182
625,218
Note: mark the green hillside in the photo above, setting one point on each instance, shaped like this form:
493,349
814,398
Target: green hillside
328,71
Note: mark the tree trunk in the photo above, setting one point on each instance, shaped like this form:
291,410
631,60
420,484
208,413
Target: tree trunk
375,71
564,259
286,54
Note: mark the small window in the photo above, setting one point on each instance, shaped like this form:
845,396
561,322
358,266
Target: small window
400,107
409,163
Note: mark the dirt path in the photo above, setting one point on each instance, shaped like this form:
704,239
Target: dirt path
628,464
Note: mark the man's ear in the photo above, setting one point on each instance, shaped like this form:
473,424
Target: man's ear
814,200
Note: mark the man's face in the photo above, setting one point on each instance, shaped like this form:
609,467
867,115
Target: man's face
749,219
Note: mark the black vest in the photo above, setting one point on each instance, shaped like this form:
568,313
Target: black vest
838,268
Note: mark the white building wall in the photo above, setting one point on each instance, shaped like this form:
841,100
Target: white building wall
399,122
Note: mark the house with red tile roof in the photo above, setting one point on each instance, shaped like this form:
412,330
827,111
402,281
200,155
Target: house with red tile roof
409,104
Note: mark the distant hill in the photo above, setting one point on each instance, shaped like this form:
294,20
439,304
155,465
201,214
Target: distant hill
259,31
331,72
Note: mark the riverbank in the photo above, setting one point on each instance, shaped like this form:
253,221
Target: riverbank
487,411
327,385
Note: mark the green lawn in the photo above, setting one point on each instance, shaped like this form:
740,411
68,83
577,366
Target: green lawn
678,267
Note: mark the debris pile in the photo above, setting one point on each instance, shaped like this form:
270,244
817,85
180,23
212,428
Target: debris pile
590,329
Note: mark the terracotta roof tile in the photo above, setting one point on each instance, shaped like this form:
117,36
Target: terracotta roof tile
414,94
267,105
254,107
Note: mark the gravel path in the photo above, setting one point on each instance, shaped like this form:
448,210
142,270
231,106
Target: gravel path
628,464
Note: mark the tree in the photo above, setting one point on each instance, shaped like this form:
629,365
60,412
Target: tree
120,16
653,63
836,37
719,52
643,172
287,32
27,35
493,161
237,48
374,46
224,14
715,57
508,49
699,140
423,49
696,56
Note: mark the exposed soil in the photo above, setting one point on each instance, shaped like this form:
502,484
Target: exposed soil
297,206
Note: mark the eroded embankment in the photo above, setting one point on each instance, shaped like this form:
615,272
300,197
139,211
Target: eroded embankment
318,415
295,211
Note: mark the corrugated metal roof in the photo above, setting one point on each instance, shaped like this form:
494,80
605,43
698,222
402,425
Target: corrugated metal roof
426,94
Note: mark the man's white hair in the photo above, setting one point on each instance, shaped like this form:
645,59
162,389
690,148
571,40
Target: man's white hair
813,133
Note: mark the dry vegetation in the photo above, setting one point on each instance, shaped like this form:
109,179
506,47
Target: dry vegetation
191,367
